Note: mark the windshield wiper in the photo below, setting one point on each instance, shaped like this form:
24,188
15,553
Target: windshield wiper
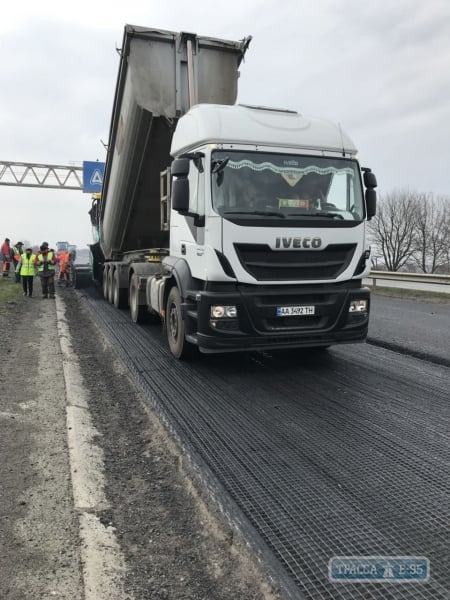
318,214
264,213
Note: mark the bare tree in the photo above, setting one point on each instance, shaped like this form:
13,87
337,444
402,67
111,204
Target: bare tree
393,227
432,233
446,234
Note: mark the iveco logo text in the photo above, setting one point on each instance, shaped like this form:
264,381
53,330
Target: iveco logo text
297,242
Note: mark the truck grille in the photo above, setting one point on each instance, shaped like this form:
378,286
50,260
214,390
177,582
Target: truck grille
265,264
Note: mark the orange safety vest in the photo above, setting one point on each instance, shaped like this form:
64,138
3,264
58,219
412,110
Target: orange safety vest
17,253
64,260
6,251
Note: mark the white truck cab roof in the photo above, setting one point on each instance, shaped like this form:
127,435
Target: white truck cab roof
261,126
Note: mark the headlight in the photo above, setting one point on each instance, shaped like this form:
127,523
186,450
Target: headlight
224,318
357,306
219,312
231,312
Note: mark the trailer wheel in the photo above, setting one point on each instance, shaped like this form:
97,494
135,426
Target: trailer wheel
105,282
119,294
137,311
111,285
175,327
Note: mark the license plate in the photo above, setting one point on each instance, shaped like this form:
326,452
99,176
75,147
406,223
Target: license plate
295,311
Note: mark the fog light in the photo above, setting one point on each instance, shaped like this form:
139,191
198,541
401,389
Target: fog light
357,306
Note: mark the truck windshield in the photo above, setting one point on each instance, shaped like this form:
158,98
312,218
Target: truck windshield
286,186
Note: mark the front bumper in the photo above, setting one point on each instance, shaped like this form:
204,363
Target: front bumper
258,328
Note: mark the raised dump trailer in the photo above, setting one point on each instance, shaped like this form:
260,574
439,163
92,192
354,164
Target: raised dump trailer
161,75
254,237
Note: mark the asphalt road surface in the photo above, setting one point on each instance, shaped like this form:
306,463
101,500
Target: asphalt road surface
233,477
417,328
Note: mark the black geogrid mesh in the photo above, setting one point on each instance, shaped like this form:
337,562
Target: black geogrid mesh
347,457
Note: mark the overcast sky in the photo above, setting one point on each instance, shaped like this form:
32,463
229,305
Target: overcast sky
381,69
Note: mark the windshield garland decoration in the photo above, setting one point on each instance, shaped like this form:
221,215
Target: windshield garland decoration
241,164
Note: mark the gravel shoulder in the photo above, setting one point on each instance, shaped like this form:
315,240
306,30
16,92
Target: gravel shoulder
39,544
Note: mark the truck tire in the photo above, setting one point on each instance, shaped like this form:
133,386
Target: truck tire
105,282
110,285
137,311
120,295
175,327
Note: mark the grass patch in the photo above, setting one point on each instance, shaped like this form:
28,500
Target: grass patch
10,292
408,294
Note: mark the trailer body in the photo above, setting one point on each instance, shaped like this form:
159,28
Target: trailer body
152,92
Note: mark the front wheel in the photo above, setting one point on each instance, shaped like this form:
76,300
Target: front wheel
176,328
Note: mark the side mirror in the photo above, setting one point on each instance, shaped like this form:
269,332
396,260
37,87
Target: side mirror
370,181
180,167
180,184
371,203
180,194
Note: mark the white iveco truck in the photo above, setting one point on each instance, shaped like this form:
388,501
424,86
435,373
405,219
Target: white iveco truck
241,227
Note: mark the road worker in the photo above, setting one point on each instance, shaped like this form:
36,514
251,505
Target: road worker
45,262
17,252
27,271
6,258
64,259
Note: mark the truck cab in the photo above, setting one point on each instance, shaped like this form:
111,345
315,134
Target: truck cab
268,243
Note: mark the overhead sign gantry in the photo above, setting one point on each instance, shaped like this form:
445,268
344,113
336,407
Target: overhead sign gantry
87,178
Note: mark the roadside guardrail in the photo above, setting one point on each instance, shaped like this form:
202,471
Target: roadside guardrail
393,276
414,277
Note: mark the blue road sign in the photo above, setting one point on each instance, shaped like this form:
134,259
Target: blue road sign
93,176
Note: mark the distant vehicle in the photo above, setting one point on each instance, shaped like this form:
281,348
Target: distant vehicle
62,246
241,227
